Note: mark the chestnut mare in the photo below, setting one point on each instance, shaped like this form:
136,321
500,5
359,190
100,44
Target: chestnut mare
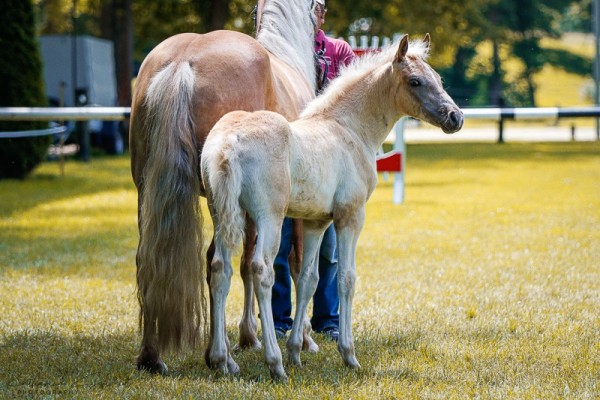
184,86
320,168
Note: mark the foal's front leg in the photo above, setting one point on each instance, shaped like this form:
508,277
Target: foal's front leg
347,237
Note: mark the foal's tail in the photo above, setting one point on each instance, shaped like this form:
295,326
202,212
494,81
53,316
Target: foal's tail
222,177
170,263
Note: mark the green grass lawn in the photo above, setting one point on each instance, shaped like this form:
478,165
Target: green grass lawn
484,283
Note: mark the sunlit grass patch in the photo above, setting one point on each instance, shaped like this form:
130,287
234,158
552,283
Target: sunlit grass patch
484,283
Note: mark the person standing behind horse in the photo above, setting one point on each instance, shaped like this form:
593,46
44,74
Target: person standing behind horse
332,54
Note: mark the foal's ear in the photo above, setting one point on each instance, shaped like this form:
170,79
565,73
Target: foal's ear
427,41
402,49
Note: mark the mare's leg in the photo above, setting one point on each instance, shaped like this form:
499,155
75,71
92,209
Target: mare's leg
149,357
218,355
347,231
267,244
248,324
308,343
307,284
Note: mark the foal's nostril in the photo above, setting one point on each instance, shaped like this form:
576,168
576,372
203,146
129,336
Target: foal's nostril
454,121
454,117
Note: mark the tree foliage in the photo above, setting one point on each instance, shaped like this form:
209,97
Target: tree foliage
514,29
21,84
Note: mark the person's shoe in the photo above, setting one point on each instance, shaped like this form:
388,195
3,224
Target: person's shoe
280,333
331,333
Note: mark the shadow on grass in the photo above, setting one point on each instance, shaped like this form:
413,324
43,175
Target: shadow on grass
80,254
38,364
113,173
45,364
506,152
80,179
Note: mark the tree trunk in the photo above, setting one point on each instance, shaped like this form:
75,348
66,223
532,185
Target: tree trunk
496,78
213,13
218,15
116,25
530,89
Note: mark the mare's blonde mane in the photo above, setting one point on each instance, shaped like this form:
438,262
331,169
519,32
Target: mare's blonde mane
287,31
359,67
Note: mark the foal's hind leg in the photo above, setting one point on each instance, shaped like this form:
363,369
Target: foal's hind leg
232,367
218,355
248,324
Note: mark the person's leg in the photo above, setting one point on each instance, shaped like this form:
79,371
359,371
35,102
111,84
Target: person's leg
281,299
326,300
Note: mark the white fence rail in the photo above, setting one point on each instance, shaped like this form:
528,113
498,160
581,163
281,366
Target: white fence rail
63,113
525,113
121,113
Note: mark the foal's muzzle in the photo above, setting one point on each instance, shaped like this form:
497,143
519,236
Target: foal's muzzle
453,122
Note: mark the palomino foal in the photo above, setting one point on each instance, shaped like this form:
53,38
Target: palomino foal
320,168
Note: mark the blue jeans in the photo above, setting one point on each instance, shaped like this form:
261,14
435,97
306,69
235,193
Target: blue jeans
325,300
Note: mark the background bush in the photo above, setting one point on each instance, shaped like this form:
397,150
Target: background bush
21,85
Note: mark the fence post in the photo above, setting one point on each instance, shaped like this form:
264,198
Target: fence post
85,142
400,145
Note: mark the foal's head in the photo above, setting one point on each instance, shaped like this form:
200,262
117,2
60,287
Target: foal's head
420,93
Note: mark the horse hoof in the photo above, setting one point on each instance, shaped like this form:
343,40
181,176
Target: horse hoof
223,364
278,374
310,345
219,366
249,344
352,362
294,359
154,367
232,367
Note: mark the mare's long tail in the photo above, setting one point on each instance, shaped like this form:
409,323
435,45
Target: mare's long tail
170,261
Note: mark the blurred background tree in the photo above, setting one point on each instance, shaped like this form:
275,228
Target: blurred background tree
475,40
21,84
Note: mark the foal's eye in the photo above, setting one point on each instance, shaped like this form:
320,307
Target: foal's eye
414,82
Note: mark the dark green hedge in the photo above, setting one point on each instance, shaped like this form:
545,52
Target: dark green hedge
21,85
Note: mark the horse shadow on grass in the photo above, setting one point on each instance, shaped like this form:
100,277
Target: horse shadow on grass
46,363
37,364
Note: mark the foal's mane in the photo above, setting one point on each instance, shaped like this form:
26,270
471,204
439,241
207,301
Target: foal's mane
287,31
359,67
